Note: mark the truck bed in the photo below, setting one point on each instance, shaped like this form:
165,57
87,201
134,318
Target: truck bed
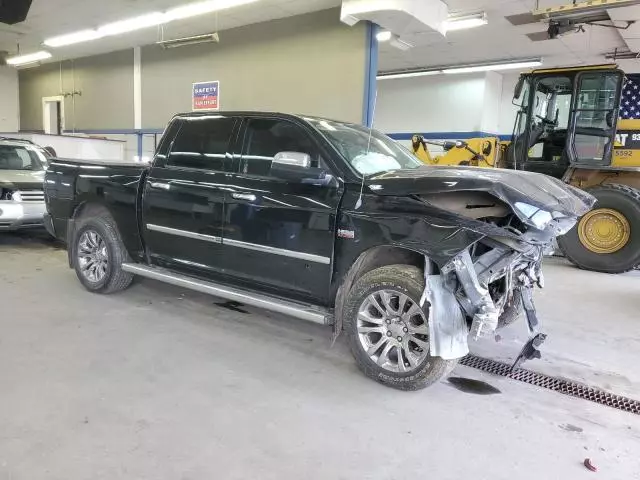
72,185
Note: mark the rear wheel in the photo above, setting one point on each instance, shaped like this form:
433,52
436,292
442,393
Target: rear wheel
607,239
98,255
388,331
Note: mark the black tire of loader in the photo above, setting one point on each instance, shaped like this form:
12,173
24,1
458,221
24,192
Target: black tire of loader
625,200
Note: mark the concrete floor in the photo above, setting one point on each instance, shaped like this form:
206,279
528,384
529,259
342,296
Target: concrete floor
159,383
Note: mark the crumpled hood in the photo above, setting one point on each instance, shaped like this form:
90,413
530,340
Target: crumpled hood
510,186
22,179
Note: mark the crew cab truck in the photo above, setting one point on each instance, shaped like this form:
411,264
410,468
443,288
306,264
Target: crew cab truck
324,221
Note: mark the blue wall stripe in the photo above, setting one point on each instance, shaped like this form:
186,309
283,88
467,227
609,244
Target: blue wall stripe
124,131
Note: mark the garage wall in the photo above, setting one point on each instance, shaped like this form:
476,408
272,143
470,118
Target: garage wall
491,103
9,105
103,86
310,64
441,103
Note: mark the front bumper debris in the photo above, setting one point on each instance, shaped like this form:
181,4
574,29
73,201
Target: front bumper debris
530,350
19,215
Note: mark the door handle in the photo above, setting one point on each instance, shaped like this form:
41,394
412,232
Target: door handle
160,185
244,196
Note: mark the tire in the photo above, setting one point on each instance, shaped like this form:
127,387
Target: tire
100,225
403,280
625,201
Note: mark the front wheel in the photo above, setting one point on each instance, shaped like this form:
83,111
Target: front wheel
98,255
388,331
607,239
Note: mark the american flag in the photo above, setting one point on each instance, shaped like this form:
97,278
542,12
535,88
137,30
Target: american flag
630,103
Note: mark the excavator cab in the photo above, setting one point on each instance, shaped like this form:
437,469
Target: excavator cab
566,118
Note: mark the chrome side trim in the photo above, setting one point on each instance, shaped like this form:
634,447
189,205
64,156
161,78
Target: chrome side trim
277,251
184,233
244,196
298,310
160,185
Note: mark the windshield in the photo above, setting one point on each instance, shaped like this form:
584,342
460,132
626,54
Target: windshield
21,157
368,151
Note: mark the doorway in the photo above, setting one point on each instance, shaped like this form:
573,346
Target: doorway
53,115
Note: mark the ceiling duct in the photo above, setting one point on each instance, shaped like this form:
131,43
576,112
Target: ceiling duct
14,11
402,17
194,40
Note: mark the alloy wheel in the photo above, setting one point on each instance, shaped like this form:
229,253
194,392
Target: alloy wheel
393,331
93,256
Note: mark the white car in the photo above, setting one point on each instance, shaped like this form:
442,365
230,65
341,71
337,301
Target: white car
22,168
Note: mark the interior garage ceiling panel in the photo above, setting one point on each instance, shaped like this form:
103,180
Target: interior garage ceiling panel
497,40
48,18
501,40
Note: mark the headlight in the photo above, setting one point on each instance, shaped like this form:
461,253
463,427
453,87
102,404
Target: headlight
16,197
538,217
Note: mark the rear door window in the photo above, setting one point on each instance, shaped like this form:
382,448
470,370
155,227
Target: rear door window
202,143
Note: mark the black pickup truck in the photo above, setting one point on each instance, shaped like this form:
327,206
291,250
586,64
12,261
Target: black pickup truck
324,221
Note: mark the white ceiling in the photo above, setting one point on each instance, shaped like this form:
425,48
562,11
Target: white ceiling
48,18
500,40
496,41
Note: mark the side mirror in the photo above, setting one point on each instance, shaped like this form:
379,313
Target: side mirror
293,159
296,166
50,151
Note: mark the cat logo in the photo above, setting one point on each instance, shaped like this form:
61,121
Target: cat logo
621,139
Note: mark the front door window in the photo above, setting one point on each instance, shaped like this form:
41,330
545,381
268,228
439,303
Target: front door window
595,116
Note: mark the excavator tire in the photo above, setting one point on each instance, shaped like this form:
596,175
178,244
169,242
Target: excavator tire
607,238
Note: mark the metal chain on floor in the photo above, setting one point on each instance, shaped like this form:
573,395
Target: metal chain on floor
566,387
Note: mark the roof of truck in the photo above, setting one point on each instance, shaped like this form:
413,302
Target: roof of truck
257,113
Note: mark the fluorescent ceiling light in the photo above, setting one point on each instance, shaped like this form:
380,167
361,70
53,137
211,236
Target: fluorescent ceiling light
29,58
145,21
384,36
493,67
201,8
137,23
392,76
70,39
393,39
521,64
466,21
400,44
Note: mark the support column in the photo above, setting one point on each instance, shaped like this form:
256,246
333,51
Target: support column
137,96
371,71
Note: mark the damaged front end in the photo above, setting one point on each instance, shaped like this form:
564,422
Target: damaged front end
489,284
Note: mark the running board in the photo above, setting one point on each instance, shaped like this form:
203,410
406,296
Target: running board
302,311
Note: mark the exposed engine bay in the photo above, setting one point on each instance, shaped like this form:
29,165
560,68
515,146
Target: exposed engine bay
489,285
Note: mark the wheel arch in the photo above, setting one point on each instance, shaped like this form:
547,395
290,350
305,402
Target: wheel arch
82,209
370,259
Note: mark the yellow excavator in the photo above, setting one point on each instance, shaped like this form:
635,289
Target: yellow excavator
567,126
